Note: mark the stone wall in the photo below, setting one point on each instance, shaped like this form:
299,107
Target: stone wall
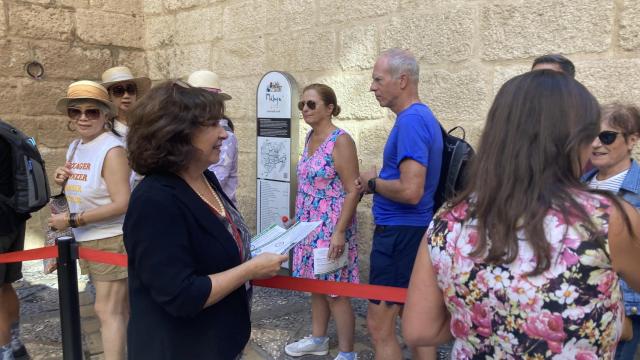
73,40
467,49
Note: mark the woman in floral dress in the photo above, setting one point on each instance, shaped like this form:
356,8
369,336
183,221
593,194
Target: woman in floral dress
326,192
524,264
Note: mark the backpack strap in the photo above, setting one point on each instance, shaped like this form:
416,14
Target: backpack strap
73,152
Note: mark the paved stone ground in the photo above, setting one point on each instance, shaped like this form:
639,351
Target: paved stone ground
278,317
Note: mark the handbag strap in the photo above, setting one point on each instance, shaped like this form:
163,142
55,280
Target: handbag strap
73,152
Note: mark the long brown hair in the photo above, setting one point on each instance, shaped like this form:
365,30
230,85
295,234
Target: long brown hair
528,162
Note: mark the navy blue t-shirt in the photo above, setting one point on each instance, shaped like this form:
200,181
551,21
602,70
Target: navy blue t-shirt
416,135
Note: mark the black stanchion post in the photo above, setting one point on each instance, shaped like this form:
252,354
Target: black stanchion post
69,302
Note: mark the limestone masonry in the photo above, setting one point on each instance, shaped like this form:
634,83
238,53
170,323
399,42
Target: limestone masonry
467,49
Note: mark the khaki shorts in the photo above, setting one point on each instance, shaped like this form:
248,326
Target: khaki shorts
104,272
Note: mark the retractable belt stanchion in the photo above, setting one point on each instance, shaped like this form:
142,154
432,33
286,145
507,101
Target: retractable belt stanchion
69,302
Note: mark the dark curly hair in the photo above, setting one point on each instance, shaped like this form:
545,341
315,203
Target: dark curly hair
162,125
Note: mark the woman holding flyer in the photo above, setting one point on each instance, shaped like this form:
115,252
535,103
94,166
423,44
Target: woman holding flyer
326,192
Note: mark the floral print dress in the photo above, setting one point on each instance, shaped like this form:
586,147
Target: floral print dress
571,311
320,197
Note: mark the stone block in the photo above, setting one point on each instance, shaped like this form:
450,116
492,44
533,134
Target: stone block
372,136
135,60
99,27
240,58
512,31
291,15
200,25
152,7
358,48
118,6
629,26
40,97
160,63
434,37
34,21
246,133
61,60
182,4
190,58
246,18
503,73
457,97
307,51
9,97
340,11
611,79
53,131
53,158
243,91
3,21
28,125
76,4
354,98
159,31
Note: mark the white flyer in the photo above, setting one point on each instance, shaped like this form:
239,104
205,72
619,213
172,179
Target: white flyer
277,240
323,265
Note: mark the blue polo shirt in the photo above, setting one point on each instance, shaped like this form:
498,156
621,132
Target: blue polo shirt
416,135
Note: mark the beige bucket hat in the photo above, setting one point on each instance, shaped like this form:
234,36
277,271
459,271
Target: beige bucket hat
207,80
85,90
122,73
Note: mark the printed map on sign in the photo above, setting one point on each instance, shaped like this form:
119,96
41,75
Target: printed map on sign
273,158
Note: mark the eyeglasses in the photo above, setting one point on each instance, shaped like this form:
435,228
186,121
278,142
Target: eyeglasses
608,137
119,90
310,104
90,114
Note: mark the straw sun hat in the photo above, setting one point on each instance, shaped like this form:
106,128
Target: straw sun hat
121,74
85,90
207,80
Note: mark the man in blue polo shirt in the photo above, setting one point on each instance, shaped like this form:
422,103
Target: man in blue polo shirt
403,200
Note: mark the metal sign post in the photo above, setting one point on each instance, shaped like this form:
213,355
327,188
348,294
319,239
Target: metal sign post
277,148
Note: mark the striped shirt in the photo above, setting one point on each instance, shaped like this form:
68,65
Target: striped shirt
612,184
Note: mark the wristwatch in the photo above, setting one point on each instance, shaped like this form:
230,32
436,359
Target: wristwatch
372,185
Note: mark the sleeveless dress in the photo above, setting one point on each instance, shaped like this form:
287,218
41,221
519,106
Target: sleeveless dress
571,311
320,197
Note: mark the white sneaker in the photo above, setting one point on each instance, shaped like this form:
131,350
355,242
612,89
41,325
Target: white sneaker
340,357
306,346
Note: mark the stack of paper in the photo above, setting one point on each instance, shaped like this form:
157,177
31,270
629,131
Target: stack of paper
278,240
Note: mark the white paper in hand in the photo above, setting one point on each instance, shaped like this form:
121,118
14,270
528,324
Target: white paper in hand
277,240
323,265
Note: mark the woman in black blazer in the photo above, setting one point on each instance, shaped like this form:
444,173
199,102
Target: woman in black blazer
188,247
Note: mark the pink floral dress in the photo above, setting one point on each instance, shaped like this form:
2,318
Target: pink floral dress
320,197
571,311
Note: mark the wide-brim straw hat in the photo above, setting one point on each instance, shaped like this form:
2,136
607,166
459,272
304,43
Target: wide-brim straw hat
120,74
207,80
86,90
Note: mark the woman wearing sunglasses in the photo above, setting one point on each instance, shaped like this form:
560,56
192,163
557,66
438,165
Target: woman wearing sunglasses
326,192
96,184
615,171
124,90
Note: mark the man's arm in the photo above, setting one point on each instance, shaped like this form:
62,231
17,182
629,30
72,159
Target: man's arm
408,189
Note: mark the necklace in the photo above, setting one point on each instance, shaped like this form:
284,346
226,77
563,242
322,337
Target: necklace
222,211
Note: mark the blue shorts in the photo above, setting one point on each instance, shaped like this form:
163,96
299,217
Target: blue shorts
393,253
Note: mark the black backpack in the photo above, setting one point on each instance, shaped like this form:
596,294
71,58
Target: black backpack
456,153
30,184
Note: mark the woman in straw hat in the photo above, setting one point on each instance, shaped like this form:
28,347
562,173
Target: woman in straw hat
96,183
226,169
124,90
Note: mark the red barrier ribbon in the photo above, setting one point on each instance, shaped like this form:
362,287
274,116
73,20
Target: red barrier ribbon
46,252
362,291
102,257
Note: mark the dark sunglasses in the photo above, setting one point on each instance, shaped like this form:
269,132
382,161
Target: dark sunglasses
119,90
91,114
608,137
310,104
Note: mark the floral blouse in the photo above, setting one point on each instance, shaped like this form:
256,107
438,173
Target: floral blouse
571,311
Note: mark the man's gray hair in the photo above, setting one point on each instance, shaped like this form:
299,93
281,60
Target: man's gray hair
402,62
